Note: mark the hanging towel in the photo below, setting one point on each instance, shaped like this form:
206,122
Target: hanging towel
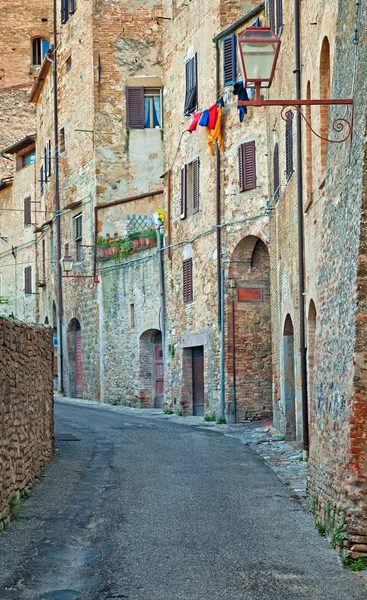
241,92
215,134
213,113
204,119
195,122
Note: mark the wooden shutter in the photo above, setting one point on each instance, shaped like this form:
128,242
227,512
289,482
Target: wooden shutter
27,211
279,14
195,185
45,160
67,251
49,160
229,60
28,280
191,85
72,6
135,107
64,11
187,280
42,179
289,144
271,15
276,172
247,166
183,196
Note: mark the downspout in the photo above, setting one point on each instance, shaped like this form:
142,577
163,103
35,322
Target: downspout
57,205
301,250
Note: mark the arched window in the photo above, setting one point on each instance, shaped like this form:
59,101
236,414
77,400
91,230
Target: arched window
324,93
276,173
309,149
39,49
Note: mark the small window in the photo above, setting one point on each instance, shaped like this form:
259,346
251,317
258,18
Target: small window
68,63
152,108
29,158
247,166
132,316
190,192
191,93
42,179
143,107
28,280
64,10
276,173
27,211
62,140
48,165
78,237
187,280
72,6
271,14
279,16
229,60
67,249
39,50
289,144
44,261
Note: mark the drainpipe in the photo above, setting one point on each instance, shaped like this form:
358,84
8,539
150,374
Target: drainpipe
217,192
222,341
301,269
162,311
234,362
57,205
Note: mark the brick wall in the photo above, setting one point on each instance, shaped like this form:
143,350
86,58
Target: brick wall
26,406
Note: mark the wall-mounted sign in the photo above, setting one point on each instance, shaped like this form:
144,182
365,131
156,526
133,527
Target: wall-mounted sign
250,295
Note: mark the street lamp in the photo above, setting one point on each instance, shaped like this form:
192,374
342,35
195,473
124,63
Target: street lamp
258,49
67,264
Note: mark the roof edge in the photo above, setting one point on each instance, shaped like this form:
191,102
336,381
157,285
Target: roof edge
28,140
255,11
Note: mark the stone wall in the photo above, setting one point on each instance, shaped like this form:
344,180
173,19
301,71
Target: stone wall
26,406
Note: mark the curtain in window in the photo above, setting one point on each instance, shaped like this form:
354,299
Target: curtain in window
156,111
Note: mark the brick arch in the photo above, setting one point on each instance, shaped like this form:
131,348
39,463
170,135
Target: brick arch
288,379
150,369
249,311
74,346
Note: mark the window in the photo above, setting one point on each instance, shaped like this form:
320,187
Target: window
29,158
62,140
67,250
324,93
39,50
64,10
246,166
48,160
276,173
191,93
289,144
143,107
309,177
68,63
271,15
42,179
132,316
279,16
27,211
189,197
28,280
187,280
229,60
44,261
72,6
78,237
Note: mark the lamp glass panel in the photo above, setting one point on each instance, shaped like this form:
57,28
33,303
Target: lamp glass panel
258,59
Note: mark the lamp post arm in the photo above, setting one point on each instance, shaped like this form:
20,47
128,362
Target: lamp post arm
319,102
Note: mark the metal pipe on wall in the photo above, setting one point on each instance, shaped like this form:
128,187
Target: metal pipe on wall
222,342
57,205
217,193
301,269
234,362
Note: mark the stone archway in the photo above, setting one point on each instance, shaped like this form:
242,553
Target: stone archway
74,341
289,394
249,310
151,374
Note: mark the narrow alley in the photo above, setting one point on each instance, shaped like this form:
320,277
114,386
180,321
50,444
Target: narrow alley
149,510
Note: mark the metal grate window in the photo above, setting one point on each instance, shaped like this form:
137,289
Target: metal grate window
187,280
276,173
28,280
289,144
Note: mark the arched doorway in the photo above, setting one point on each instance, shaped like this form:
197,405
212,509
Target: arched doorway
151,373
289,399
249,351
74,337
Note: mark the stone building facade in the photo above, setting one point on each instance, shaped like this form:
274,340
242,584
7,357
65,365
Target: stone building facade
333,65
26,408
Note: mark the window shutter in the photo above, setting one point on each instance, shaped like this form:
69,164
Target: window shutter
27,211
183,199
64,11
272,15
187,280
289,144
279,14
135,107
42,179
49,160
72,6
247,166
45,160
229,60
195,185
191,85
276,172
28,280
67,251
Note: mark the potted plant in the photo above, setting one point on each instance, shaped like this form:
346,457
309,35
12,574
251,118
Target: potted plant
134,237
150,237
126,247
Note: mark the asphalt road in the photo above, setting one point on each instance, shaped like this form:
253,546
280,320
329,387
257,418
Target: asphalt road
148,510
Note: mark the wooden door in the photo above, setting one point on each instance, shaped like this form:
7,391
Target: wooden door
198,380
78,364
159,372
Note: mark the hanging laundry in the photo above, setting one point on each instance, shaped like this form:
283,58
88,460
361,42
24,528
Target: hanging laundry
195,122
241,92
213,114
220,102
215,134
204,119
